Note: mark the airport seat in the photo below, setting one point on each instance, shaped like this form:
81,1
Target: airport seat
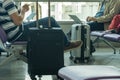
89,72
14,50
112,37
100,36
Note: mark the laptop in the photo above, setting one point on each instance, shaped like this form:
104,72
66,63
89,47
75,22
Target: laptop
76,19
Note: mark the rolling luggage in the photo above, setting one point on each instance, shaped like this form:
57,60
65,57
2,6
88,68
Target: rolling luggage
45,51
81,32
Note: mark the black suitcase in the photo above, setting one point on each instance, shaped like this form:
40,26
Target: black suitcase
45,51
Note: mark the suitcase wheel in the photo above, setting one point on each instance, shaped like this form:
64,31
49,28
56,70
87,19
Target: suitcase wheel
77,60
74,59
33,77
71,57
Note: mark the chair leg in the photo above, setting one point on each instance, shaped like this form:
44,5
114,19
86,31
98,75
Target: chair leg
96,40
6,60
23,58
105,41
16,55
110,45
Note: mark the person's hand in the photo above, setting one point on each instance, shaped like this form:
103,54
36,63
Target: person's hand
91,19
25,8
108,31
88,18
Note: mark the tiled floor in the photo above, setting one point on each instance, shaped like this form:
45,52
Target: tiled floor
17,69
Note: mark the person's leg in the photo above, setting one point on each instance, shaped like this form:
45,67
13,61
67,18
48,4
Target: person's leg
24,35
94,26
44,23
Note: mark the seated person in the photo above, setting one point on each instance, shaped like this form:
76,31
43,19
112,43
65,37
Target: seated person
108,9
102,19
12,22
114,27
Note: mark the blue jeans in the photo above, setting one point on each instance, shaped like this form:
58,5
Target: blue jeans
44,23
95,26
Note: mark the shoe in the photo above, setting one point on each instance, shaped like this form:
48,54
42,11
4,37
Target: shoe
73,45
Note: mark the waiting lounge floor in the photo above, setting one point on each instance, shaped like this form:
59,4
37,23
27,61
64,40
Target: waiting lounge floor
17,69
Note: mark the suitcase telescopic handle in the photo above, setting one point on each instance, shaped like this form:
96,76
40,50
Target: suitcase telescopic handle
37,15
49,23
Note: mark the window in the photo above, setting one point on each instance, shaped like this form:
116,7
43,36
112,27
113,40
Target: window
61,10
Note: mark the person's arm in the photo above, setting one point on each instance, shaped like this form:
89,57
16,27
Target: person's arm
113,11
91,19
18,18
99,13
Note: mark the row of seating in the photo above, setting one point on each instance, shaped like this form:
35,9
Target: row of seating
107,37
14,50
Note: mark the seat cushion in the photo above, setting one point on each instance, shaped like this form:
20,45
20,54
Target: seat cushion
99,33
88,72
112,37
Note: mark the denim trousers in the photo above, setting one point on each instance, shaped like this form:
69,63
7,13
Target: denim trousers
44,23
95,26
